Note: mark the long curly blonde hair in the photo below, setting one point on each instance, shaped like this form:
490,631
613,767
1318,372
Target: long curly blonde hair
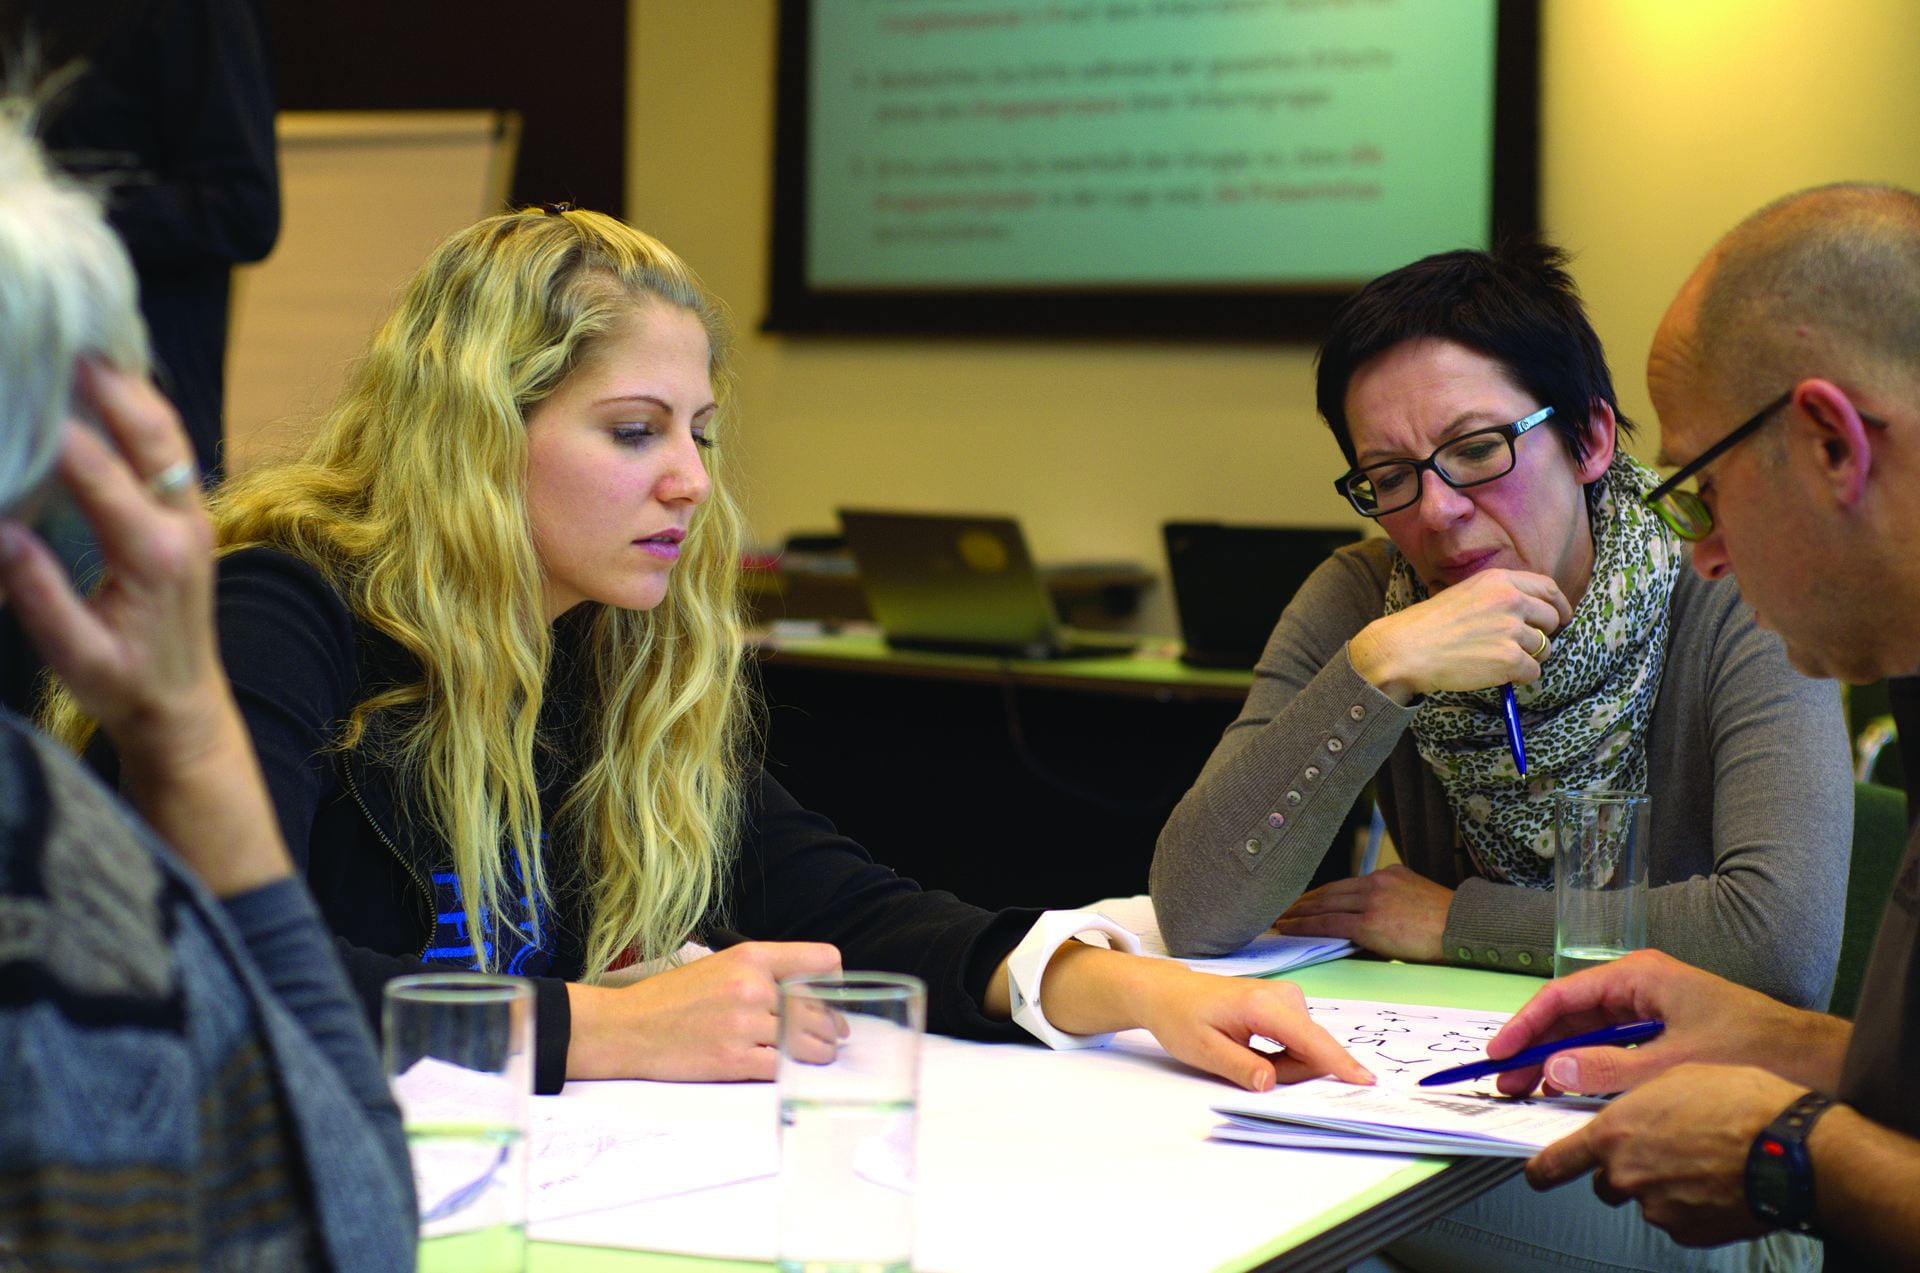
411,501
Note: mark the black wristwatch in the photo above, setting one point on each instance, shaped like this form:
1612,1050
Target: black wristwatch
1779,1169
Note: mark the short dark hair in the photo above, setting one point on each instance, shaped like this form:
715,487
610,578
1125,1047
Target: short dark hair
1516,305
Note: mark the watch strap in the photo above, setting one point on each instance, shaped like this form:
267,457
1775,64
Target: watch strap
1779,1174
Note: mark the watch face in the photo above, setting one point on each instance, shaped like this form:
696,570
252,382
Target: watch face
1779,1184
1769,1185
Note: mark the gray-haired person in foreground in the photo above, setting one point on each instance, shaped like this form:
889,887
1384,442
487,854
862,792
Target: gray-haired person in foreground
188,1084
1787,378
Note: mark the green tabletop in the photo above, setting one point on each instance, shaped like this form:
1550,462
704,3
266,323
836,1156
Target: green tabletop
1435,985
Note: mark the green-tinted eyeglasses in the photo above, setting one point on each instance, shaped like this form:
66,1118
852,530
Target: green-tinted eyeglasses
1684,512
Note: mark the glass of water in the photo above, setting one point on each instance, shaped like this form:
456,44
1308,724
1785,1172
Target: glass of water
458,1048
849,1079
1599,877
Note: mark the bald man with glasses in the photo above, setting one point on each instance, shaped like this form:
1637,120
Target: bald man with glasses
1748,1116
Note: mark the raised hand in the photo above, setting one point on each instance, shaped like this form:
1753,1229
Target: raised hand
139,653
1493,628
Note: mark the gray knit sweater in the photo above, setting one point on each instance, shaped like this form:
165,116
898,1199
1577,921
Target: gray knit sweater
1747,766
188,1085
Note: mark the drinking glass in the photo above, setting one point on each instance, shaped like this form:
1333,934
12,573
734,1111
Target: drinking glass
849,1080
458,1049
1599,877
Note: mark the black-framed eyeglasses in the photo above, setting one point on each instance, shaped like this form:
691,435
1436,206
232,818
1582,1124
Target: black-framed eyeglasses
1468,460
1684,512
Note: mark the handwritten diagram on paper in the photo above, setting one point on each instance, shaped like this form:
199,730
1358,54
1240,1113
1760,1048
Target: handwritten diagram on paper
1399,1042
585,1161
581,1157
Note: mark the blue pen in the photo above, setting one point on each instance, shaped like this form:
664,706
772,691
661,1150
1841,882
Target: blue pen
1614,1035
1515,744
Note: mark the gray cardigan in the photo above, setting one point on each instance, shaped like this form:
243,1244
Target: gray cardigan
1747,764
188,1082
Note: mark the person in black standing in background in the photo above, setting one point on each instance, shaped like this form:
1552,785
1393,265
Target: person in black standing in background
169,106
173,111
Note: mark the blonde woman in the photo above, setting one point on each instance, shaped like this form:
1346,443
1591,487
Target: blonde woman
484,633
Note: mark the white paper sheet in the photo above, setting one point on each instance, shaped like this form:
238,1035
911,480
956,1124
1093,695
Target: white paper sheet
579,1159
585,1162
1030,1161
1402,1044
1267,953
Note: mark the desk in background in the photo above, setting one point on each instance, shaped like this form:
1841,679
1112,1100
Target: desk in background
1008,782
815,578
1117,1187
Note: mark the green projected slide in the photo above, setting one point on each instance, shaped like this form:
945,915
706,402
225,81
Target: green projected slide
1088,143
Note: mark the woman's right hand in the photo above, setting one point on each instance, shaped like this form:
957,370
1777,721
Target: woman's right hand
1486,630
139,654
716,1018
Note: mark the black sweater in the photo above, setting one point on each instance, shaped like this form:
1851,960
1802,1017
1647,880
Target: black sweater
300,661
173,115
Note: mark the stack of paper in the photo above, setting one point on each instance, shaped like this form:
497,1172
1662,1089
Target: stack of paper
1402,1044
1267,953
1328,1114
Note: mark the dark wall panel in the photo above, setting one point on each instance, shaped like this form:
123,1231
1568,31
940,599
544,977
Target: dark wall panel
563,67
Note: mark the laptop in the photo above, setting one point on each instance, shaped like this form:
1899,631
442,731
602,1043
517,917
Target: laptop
963,584
1230,583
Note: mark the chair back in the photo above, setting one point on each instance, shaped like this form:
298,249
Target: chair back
1879,838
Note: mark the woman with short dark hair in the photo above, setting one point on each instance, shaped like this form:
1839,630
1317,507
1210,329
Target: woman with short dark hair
1473,403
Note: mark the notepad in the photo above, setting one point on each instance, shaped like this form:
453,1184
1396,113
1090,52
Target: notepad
1400,1043
1475,1122
1266,954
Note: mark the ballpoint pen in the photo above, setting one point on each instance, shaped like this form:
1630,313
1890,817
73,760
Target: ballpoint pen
1613,1035
1515,744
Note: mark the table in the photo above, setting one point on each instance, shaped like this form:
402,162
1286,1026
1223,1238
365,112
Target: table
1055,1184
1156,675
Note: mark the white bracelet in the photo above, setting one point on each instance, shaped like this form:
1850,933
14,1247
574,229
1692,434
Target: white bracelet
1028,964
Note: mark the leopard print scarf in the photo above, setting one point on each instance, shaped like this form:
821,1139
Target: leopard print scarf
1585,719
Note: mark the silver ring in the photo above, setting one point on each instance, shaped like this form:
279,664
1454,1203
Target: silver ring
1539,649
173,481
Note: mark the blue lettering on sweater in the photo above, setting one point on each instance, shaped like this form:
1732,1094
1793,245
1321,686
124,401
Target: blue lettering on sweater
522,944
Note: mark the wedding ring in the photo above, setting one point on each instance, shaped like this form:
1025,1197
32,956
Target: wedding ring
1540,649
173,481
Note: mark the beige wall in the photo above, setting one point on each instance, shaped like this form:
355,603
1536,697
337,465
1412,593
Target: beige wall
1664,121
